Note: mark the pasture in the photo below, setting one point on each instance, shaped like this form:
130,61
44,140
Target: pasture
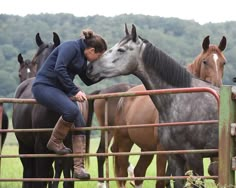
12,168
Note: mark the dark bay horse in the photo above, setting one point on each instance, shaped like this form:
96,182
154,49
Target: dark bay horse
27,116
157,70
5,124
98,107
27,68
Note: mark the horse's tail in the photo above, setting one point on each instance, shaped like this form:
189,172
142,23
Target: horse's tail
115,163
89,122
115,147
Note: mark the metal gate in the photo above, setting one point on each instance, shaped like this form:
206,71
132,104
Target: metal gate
227,129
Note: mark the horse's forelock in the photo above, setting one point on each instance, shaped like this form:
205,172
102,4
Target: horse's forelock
215,49
125,40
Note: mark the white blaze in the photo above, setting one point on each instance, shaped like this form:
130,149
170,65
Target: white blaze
215,57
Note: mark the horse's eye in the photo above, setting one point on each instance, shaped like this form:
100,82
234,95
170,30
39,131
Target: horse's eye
121,50
205,62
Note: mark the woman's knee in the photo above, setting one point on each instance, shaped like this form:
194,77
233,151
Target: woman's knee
71,114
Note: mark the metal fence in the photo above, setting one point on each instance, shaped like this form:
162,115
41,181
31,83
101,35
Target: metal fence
227,129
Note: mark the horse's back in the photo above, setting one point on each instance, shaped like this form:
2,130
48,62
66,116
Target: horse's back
99,104
24,89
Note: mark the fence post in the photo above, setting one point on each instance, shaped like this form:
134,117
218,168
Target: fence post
227,116
1,116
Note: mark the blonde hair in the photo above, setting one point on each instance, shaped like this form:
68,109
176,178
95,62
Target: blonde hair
93,40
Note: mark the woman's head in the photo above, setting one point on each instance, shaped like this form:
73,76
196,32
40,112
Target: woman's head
96,45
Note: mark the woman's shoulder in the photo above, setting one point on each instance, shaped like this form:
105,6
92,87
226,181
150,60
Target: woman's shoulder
68,45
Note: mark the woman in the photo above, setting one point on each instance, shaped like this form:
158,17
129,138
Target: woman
53,87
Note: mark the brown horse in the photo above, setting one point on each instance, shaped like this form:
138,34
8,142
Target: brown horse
208,66
98,107
133,111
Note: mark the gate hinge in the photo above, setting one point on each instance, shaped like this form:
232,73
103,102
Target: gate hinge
234,163
233,129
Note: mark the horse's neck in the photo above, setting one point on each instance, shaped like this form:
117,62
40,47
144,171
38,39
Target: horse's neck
152,81
194,68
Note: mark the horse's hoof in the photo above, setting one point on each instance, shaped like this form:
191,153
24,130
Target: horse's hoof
101,185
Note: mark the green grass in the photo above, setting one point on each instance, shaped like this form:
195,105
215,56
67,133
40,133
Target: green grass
12,168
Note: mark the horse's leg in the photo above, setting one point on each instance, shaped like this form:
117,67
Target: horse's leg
51,174
121,144
169,171
195,163
179,163
161,168
64,165
28,165
141,168
43,165
58,170
101,159
213,168
68,171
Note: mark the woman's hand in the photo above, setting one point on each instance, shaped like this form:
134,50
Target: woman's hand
81,96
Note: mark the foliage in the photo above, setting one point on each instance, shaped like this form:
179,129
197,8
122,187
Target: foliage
181,39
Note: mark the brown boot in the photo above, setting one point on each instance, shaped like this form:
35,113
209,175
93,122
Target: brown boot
59,133
79,144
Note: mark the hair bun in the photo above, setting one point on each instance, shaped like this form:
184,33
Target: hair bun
88,33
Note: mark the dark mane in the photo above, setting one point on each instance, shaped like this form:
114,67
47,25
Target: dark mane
41,48
166,67
45,48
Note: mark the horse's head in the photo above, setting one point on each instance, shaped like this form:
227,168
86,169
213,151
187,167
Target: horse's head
44,49
209,64
121,59
27,68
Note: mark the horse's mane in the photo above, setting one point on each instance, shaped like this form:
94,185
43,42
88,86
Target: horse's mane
40,49
165,66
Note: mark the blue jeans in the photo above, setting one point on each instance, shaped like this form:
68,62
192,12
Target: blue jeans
56,100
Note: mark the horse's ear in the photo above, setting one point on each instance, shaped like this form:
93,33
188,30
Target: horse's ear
38,40
134,33
56,39
126,30
206,43
20,58
222,44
